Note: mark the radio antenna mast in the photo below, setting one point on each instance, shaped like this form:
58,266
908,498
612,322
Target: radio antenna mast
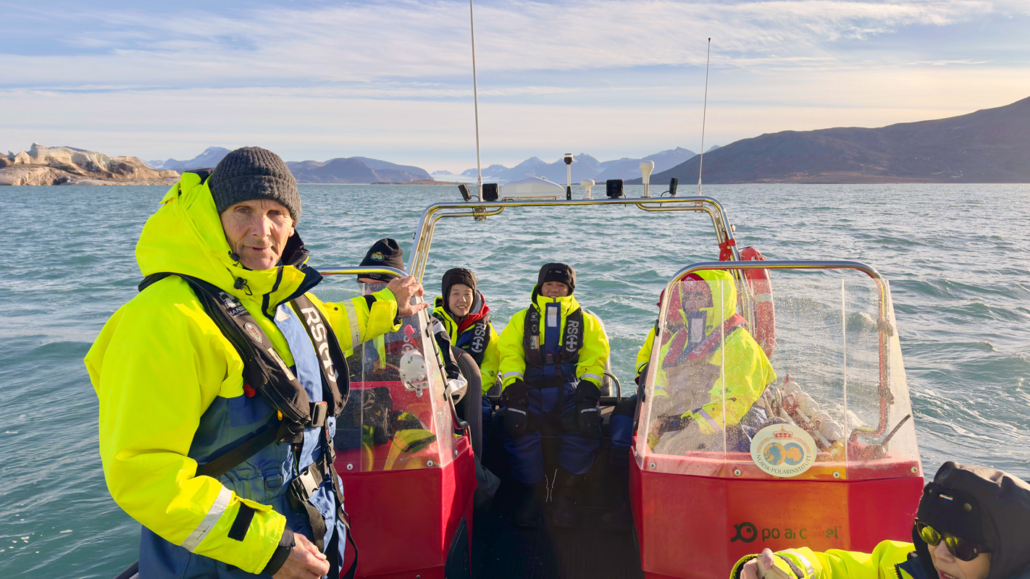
475,99
704,117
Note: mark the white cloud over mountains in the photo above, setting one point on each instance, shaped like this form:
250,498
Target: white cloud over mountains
284,72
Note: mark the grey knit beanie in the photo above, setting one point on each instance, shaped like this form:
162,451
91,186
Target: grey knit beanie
254,173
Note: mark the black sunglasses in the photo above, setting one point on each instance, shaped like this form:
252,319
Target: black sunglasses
962,549
372,287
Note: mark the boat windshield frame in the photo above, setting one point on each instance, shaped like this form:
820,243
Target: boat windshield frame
884,328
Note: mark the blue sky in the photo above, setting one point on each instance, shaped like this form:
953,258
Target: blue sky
393,79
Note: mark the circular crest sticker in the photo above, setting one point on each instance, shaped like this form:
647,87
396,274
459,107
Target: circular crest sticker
783,450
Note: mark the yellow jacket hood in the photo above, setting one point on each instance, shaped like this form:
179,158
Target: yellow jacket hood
185,236
723,291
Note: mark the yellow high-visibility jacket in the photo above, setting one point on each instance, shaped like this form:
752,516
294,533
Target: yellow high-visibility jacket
491,357
160,362
745,370
644,354
889,560
593,355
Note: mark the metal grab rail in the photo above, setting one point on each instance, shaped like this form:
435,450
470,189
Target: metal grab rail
618,385
433,213
884,329
361,270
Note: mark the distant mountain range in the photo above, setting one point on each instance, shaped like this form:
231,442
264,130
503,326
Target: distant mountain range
343,170
988,146
209,158
583,167
366,170
356,170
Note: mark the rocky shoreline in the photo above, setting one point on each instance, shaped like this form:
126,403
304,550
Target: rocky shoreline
40,166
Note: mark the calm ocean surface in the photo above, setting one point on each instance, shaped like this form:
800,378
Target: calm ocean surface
957,258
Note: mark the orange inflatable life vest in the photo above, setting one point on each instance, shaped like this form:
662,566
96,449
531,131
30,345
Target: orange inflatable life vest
765,311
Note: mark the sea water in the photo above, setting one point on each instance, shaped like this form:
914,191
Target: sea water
956,256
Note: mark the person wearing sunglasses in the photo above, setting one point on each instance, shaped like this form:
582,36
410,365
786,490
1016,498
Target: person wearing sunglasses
380,356
553,357
373,362
972,523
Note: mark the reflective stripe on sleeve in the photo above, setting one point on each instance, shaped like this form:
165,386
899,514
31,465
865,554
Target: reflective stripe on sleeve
212,516
589,375
507,375
808,565
352,323
708,418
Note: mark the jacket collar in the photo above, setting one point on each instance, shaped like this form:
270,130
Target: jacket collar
185,236
568,303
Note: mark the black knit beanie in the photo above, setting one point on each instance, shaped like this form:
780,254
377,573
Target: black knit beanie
557,272
383,253
254,173
456,276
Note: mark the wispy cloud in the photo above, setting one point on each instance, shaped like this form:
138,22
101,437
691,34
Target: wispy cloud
394,78
363,43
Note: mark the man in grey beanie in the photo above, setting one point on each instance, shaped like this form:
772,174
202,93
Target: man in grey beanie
218,381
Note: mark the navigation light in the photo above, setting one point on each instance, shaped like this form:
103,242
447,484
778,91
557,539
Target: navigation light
613,188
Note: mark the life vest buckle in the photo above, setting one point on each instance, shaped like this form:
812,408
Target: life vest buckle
319,410
306,483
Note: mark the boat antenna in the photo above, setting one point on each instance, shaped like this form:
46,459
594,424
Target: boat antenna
475,99
704,117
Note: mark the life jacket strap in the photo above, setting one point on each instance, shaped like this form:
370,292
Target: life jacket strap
301,488
332,362
242,451
567,353
265,371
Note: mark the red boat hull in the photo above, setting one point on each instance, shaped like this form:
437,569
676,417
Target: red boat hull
698,527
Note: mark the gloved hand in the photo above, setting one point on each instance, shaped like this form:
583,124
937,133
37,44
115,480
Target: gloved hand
588,409
515,398
641,376
456,387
